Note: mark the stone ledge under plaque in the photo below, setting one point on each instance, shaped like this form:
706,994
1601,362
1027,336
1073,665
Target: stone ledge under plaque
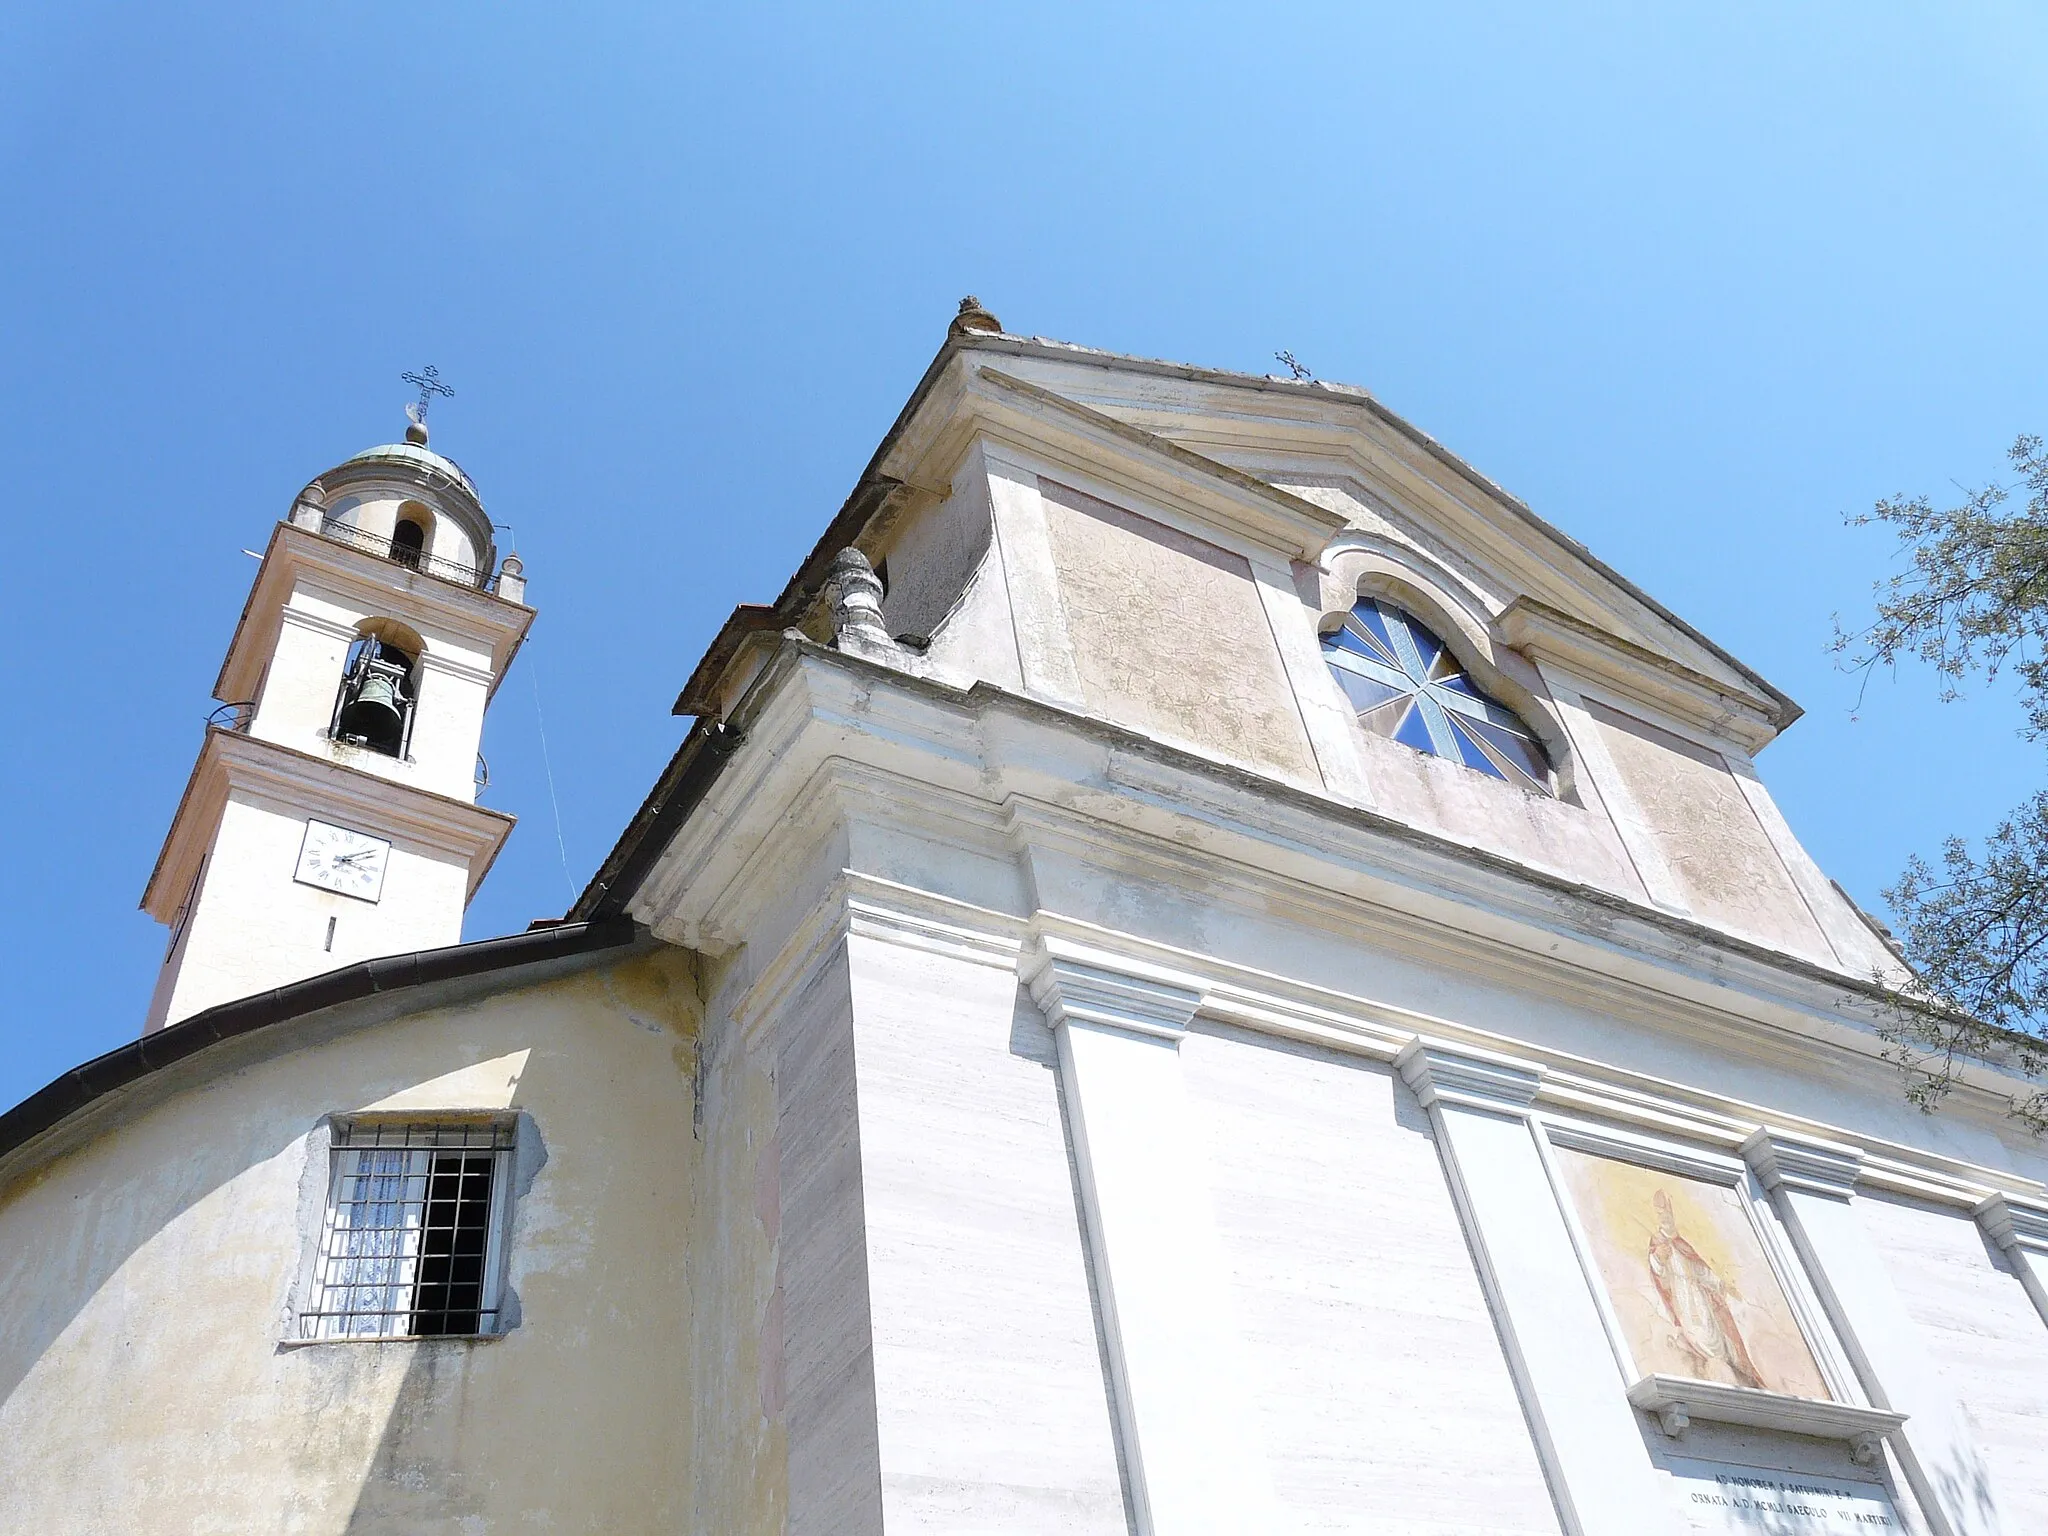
1678,1400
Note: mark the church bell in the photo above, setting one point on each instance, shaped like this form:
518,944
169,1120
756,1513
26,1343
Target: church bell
375,709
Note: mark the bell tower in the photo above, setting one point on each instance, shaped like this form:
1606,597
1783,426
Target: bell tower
332,814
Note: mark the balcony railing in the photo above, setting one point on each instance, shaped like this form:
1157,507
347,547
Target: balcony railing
401,554
236,717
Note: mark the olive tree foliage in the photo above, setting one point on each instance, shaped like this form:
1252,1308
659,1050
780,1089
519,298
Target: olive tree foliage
1973,601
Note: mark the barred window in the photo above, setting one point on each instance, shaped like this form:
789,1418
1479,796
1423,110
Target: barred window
413,1242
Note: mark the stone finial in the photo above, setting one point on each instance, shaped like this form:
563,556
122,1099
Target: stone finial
973,319
512,578
855,592
310,508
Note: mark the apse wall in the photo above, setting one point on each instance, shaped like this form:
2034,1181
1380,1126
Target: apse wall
150,1374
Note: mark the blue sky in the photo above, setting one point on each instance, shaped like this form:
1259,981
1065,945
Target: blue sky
1693,280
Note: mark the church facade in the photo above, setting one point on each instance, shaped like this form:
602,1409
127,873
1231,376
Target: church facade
1199,970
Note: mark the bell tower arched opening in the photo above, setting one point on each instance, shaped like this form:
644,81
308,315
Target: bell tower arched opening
373,707
408,542
347,756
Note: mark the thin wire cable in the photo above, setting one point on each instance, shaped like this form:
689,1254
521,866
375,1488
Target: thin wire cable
569,880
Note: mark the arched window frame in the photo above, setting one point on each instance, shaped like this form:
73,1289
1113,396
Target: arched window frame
1361,565
386,634
421,516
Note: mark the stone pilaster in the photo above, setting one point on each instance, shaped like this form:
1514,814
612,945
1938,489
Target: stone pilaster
1593,1453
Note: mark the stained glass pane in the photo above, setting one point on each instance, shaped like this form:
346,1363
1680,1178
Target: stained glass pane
1350,639
1473,753
1517,749
1386,720
1405,684
1369,616
1366,692
1414,732
1427,646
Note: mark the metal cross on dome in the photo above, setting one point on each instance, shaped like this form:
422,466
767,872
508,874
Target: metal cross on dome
428,382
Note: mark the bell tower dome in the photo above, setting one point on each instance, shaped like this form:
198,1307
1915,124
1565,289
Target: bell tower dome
332,814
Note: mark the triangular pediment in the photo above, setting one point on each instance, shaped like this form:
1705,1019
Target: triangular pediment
1336,447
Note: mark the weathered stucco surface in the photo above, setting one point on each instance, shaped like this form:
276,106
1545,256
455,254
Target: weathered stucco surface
934,555
1460,803
1732,876
144,1381
1170,636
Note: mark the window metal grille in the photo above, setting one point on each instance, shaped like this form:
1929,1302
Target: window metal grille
412,1246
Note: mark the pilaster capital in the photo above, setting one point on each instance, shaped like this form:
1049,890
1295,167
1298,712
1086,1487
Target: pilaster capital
1802,1163
2013,1222
1468,1078
1078,985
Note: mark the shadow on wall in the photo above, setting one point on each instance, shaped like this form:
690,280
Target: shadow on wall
417,1481
99,1254
1966,1490
65,1258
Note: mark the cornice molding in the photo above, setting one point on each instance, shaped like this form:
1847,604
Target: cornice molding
987,764
1122,974
1460,1077
433,661
1678,1400
1075,984
315,623
1072,438
2014,1223
498,627
1808,1165
891,924
1549,635
302,784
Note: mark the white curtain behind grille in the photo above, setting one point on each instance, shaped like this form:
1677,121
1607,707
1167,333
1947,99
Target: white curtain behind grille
371,1257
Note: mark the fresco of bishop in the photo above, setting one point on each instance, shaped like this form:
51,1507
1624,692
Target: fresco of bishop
1696,1302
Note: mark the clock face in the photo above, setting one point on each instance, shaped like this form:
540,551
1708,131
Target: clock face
336,859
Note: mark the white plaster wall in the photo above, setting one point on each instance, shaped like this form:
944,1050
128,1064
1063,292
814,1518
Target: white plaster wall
1987,1341
1386,1402
976,641
448,723
297,698
989,1382
933,554
374,509
254,925
146,1276
297,702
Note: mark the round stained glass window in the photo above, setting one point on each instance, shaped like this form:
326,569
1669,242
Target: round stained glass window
1405,683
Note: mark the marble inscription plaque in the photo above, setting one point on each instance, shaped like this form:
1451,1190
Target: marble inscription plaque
1724,1500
